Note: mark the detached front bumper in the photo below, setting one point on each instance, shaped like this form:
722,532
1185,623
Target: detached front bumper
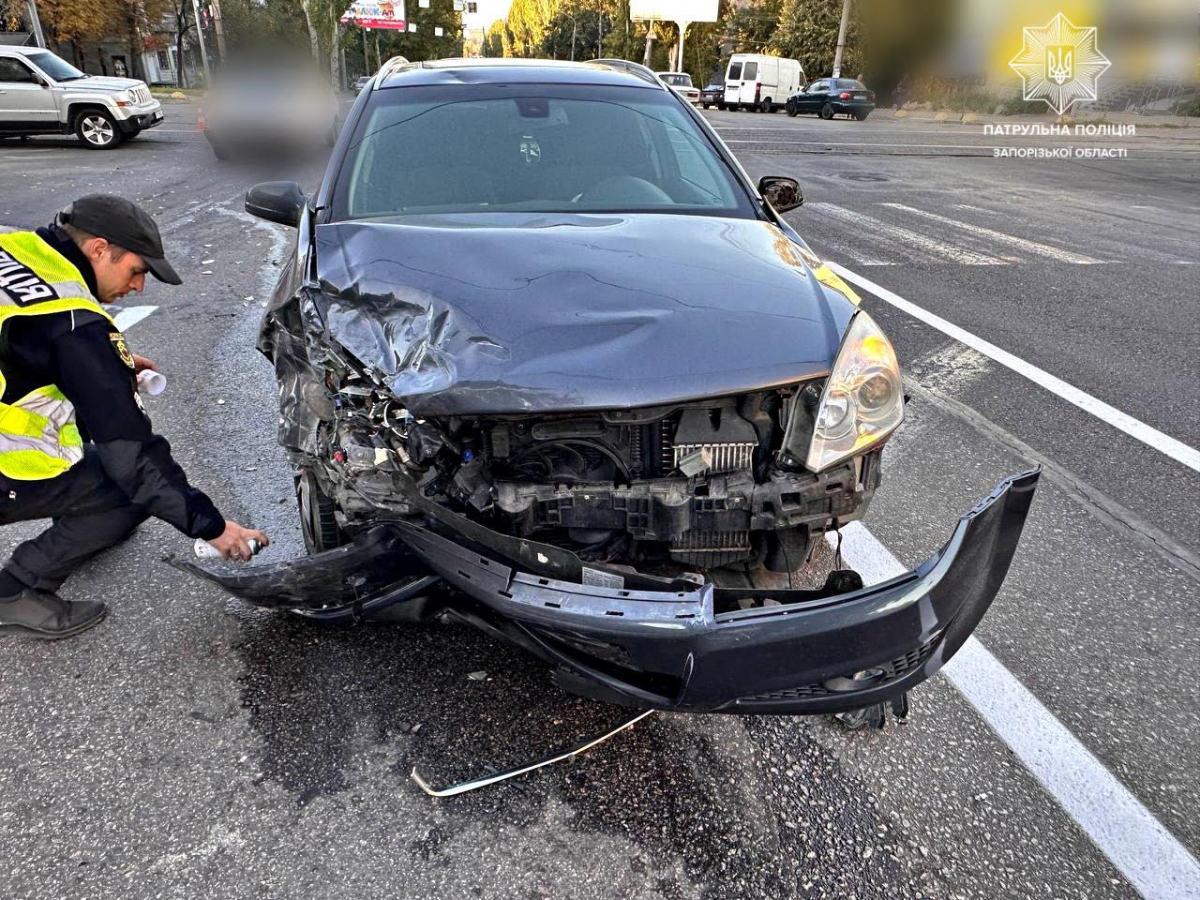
828,650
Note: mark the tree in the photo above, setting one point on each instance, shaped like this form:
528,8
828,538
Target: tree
496,39
751,27
808,31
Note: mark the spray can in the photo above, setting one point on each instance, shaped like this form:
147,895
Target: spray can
205,550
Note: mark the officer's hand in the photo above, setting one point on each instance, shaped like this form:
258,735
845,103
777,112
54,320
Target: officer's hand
141,364
234,541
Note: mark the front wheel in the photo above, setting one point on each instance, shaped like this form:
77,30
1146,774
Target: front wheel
791,112
827,111
317,521
97,130
721,107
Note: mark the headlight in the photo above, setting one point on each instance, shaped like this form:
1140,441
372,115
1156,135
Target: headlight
862,403
124,99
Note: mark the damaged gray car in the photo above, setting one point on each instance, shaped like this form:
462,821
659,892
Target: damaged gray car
549,363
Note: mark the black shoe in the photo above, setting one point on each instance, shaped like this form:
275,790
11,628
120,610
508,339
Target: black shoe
42,614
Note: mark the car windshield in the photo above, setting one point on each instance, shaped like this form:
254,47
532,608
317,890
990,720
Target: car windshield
58,69
532,148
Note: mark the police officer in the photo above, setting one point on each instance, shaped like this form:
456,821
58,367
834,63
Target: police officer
76,445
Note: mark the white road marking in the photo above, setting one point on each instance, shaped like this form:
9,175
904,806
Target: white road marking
1148,435
1000,237
979,209
905,237
1123,829
131,315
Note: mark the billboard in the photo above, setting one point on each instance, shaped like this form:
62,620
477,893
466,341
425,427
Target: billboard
673,10
376,14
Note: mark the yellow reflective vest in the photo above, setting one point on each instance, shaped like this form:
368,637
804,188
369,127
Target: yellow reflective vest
38,435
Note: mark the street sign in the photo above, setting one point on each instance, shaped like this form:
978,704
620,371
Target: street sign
377,14
673,10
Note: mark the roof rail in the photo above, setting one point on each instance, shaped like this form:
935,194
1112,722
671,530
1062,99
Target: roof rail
632,68
394,63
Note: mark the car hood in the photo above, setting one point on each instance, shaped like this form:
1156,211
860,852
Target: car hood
104,83
508,313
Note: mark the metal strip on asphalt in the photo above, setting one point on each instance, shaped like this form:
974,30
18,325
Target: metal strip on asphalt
1147,434
131,315
1124,830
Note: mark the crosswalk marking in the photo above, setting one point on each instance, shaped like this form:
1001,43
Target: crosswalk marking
878,231
1000,237
131,315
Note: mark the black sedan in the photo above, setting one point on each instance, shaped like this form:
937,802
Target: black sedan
831,97
713,95
548,363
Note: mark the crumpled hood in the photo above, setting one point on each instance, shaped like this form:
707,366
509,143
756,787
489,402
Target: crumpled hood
506,313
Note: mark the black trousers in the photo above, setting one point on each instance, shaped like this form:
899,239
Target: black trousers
89,512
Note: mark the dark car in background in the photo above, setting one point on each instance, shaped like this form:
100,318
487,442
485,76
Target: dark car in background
829,97
540,341
713,95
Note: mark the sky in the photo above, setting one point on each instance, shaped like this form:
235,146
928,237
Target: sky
489,12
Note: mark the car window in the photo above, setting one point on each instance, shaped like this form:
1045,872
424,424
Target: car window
677,80
14,71
531,149
818,87
56,68
750,72
735,72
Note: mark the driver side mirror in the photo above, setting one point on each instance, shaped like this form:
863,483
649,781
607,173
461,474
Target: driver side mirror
782,193
276,201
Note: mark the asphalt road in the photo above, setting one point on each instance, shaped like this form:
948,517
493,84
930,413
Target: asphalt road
195,747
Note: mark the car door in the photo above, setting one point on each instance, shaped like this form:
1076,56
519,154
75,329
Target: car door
733,81
749,81
814,98
26,103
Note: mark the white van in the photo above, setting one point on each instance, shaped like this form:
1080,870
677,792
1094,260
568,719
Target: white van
759,82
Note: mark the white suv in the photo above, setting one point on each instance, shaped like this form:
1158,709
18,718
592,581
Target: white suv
42,94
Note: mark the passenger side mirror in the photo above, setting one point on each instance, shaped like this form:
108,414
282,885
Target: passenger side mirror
782,193
276,201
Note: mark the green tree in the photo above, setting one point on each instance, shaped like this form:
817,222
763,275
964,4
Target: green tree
750,28
808,31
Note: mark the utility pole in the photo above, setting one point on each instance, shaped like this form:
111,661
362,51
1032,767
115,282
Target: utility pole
679,54
203,51
219,28
649,44
841,44
574,31
36,24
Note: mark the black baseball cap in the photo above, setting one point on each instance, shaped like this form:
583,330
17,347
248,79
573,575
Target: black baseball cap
124,223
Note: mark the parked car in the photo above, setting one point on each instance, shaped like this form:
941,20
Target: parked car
762,83
540,339
681,83
43,94
361,82
260,110
831,97
713,94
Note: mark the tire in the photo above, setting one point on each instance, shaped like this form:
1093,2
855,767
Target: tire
220,151
132,134
317,521
791,112
766,106
862,115
721,106
97,130
706,105
827,111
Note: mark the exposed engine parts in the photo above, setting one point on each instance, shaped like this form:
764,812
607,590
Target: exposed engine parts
699,485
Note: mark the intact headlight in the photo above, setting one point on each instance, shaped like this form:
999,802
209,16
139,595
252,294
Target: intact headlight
863,399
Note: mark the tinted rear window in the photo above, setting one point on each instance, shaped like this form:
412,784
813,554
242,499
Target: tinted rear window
846,84
532,148
735,71
750,72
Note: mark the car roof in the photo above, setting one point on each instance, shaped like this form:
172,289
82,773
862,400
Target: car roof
517,71
23,51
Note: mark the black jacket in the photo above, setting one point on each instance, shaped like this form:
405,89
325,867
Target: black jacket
75,351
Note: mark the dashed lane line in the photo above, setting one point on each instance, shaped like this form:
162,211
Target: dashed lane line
1124,830
131,315
999,237
1147,434
906,238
